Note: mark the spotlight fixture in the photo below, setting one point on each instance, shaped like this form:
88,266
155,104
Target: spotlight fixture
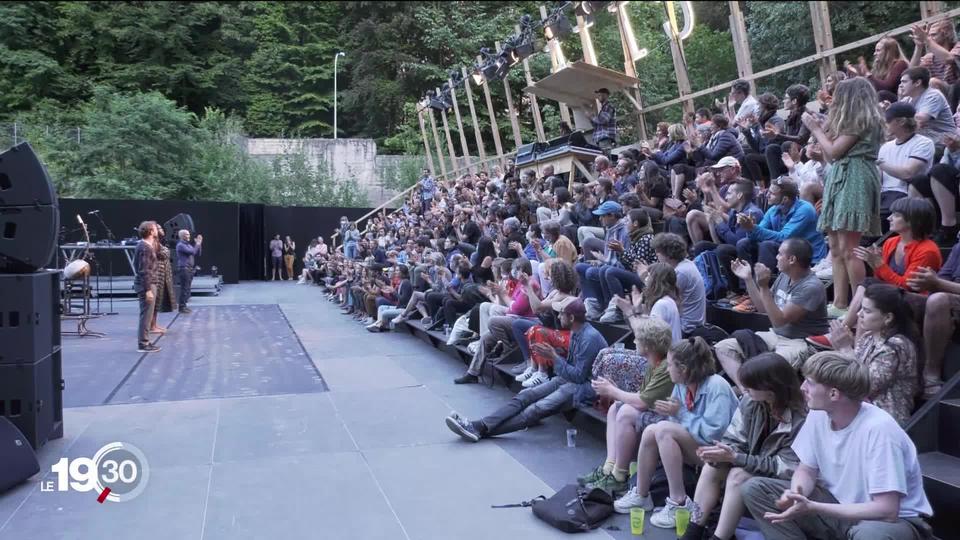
556,25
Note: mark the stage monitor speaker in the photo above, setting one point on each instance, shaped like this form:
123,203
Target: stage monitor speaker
18,458
31,396
29,218
29,316
177,223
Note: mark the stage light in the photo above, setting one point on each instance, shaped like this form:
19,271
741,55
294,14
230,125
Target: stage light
477,76
686,8
556,26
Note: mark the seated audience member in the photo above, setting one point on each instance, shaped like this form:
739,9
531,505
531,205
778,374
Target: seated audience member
757,443
934,117
568,389
530,334
388,312
942,185
808,175
554,246
672,249
910,248
888,64
724,229
614,281
796,305
715,185
746,104
788,217
673,153
633,401
825,94
938,51
759,131
558,208
885,343
626,176
858,475
909,154
432,276
659,298
722,143
941,315
699,410
616,240
795,101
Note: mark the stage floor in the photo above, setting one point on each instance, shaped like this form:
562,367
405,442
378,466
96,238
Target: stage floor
270,415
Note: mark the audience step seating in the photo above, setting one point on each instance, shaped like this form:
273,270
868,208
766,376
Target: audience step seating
935,429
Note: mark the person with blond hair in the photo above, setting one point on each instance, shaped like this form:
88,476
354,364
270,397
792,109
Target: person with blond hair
858,475
850,139
888,64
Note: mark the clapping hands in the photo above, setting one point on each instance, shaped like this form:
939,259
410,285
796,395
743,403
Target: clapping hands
870,255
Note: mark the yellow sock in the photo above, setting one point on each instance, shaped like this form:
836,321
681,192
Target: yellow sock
619,474
608,466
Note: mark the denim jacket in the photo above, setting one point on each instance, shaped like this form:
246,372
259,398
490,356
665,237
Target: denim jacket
585,345
713,408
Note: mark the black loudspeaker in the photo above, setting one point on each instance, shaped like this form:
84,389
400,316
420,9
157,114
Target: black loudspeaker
18,458
31,372
176,224
29,316
29,218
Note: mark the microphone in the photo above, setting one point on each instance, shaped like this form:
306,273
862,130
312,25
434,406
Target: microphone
93,212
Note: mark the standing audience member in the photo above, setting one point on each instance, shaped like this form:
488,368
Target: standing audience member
875,490
289,255
145,283
186,263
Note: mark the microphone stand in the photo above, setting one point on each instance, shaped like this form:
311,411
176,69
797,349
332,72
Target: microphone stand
111,239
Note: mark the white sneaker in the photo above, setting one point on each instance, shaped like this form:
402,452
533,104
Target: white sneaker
473,346
538,378
594,309
824,268
527,373
666,517
630,500
611,314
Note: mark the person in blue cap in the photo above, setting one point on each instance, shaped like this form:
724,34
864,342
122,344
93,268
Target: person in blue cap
599,253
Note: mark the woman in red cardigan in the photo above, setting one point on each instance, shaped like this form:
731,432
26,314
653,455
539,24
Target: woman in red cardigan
912,221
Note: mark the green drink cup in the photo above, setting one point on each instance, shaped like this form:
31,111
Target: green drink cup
637,516
683,520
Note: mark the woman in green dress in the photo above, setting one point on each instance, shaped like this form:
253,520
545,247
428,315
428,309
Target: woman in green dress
850,137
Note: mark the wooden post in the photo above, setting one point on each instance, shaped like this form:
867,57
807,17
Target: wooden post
589,54
741,44
679,62
534,106
446,129
630,69
514,118
493,123
426,144
929,9
463,136
557,61
436,140
823,38
481,151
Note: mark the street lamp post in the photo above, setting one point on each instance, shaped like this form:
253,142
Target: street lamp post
335,58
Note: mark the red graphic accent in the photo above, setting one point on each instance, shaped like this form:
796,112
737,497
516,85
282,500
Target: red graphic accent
103,496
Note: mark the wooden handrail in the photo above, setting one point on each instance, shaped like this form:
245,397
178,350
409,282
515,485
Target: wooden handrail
404,193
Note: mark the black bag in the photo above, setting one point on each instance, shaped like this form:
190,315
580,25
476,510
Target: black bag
575,509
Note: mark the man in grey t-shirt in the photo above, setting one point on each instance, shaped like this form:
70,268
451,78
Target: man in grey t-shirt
672,249
796,305
934,118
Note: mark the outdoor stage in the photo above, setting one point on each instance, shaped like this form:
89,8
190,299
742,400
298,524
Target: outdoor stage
269,415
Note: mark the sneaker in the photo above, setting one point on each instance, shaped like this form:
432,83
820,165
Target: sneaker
591,477
538,378
527,373
612,314
594,310
466,378
631,499
611,485
185,311
398,319
745,307
821,343
462,427
824,268
666,517
375,328
518,369
148,348
834,312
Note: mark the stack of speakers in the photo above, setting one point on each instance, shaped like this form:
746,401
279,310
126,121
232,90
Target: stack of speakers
31,381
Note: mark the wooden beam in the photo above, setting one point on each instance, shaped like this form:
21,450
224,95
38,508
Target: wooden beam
534,106
679,64
630,68
741,44
511,110
586,42
436,140
467,79
805,60
823,38
426,144
557,61
929,9
493,122
456,112
446,131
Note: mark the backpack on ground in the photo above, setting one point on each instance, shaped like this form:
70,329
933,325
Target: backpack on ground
575,509
714,282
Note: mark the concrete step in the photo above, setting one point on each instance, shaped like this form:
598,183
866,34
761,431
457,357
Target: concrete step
941,481
949,434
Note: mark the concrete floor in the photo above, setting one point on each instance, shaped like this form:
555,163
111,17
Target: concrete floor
370,458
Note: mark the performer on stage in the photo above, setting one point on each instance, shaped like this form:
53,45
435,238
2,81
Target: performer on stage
604,122
145,282
166,299
186,266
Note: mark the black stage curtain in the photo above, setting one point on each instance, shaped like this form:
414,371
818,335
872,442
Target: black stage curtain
251,253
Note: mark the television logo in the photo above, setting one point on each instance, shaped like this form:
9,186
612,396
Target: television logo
118,472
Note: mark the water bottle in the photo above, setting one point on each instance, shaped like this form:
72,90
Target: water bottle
446,329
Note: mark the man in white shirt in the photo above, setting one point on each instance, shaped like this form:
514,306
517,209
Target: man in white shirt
748,105
934,118
909,154
858,476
